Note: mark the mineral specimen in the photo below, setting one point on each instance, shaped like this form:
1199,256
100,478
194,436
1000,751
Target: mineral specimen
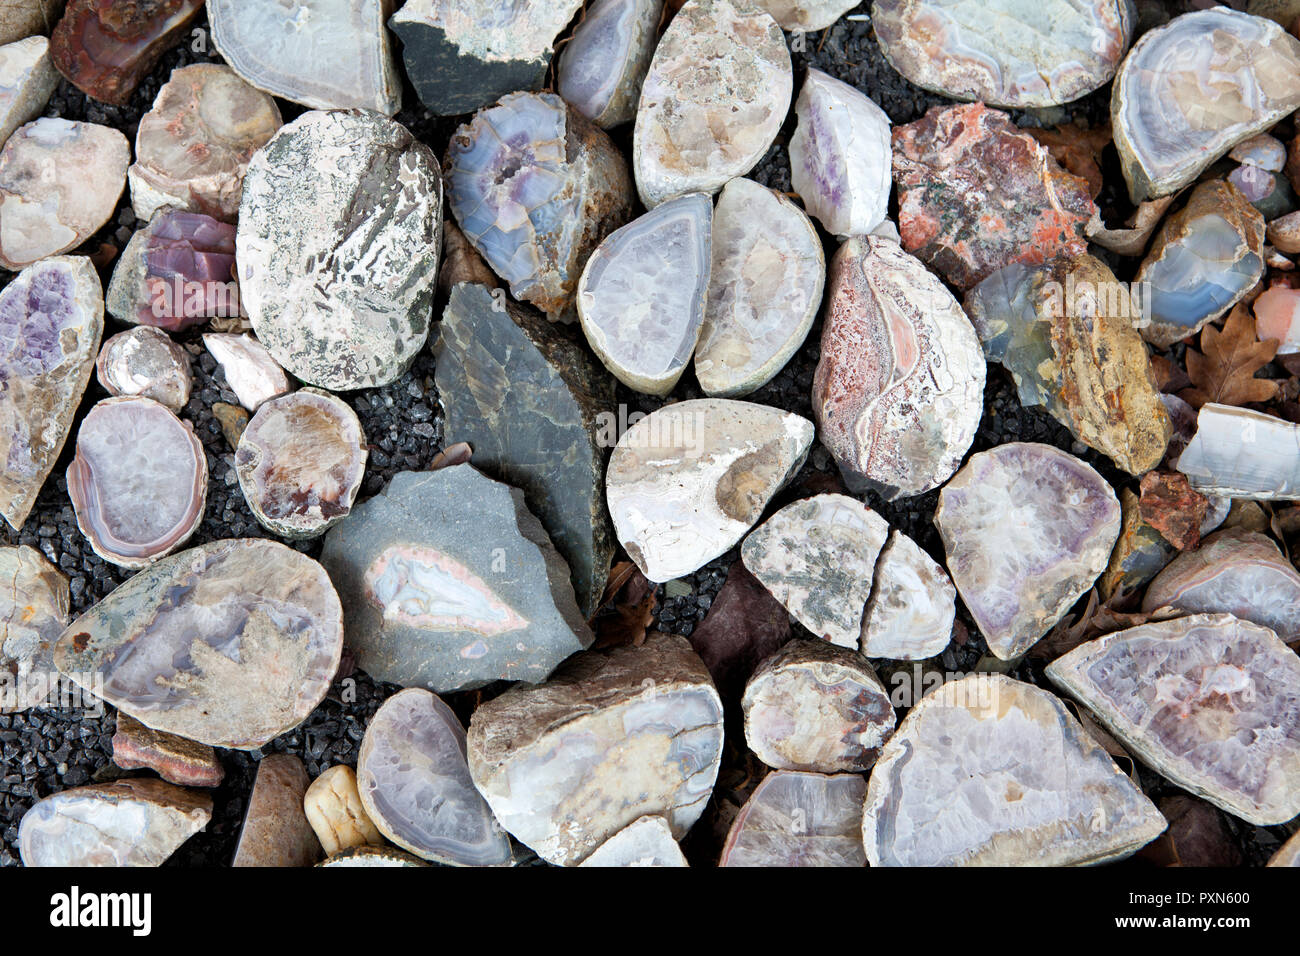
324,54
33,613
463,54
192,149
373,856
416,787
988,771
1015,53
139,481
177,760
1172,507
1264,151
603,64
612,736
1235,572
23,18
1283,233
1277,316
251,372
145,361
533,405
1241,453
899,388
335,811
840,156
276,832
1027,529
799,819
642,293
647,842
976,194
1208,701
449,582
176,272
806,16
713,101
231,643
685,483
1192,89
536,187
340,290
59,182
765,287
913,604
814,706
27,78
106,48
1066,333
1269,193
135,822
300,462
1139,554
51,320
817,557
1202,261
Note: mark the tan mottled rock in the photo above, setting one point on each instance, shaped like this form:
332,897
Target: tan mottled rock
335,811
276,831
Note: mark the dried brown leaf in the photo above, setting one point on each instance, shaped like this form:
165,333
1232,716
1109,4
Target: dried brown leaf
1094,620
1224,370
627,609
1078,150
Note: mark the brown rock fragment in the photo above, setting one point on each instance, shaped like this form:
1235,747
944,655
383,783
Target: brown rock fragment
1172,507
180,761
276,831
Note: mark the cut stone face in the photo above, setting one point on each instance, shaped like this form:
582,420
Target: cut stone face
51,320
27,78
976,194
1237,572
765,287
176,272
712,102
536,409
59,182
913,604
1242,453
817,557
840,156
139,481
338,242
276,831
449,582
1203,260
1211,702
177,760
536,187
647,842
814,706
1027,529
23,18
992,52
1289,855
685,483
799,819
642,293
988,771
133,822
416,787
1277,314
33,613
603,64
231,643
613,736
899,388
807,16
372,856
1192,89
335,811
106,48
325,55
1066,333
192,149
145,361
251,371
463,54
300,462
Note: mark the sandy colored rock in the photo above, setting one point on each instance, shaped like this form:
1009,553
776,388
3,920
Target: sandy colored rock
334,809
276,832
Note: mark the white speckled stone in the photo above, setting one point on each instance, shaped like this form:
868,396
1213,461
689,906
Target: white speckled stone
27,78
913,604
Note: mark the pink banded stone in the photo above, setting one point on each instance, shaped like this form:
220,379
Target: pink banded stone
175,759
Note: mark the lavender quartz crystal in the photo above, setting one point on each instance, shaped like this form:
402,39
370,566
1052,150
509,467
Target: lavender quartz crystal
602,66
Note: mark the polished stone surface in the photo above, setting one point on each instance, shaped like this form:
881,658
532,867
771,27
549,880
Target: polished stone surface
799,819
601,67
144,361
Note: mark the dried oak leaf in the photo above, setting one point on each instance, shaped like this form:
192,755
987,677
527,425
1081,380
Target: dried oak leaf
1094,620
1078,150
1224,370
627,608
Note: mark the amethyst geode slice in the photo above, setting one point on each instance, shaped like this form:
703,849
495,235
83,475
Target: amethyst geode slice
139,481
231,643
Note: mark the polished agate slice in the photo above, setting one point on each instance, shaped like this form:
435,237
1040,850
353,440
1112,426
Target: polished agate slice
1242,453
415,784
647,842
912,607
799,819
27,78
300,462
1027,529
602,66
1192,89
33,613
231,643
139,481
535,187
642,293
1235,572
899,388
251,371
989,771
193,147
1208,701
144,361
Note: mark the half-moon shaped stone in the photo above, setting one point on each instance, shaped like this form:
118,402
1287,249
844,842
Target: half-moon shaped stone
799,819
